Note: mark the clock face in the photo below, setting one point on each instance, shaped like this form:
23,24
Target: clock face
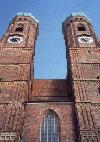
15,39
85,39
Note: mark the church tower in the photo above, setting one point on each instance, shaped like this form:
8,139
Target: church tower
83,55
57,110
17,49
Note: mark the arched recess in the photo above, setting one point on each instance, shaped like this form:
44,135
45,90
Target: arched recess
19,28
50,127
81,27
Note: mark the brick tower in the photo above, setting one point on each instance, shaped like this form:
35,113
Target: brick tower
83,55
58,110
16,73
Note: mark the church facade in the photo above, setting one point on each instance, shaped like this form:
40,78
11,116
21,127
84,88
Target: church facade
59,110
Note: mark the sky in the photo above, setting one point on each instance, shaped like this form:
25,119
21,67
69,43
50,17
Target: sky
50,57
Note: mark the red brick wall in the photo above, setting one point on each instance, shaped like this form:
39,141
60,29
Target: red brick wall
11,55
96,116
11,92
15,72
34,116
11,119
87,91
49,90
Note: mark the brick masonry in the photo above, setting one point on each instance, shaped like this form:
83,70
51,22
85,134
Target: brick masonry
35,113
25,101
84,70
49,90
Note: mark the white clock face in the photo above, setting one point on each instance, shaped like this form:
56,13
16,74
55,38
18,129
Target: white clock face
85,39
15,39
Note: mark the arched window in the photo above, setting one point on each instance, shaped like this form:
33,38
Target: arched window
50,128
81,27
20,28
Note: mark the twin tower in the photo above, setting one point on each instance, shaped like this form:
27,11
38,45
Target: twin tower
63,110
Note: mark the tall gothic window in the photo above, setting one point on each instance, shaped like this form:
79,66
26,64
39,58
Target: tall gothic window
81,27
50,128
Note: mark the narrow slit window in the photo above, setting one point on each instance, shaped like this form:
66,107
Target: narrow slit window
99,89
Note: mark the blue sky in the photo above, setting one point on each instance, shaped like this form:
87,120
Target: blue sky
50,59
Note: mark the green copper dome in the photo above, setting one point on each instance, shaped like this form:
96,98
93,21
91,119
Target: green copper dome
27,14
80,14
